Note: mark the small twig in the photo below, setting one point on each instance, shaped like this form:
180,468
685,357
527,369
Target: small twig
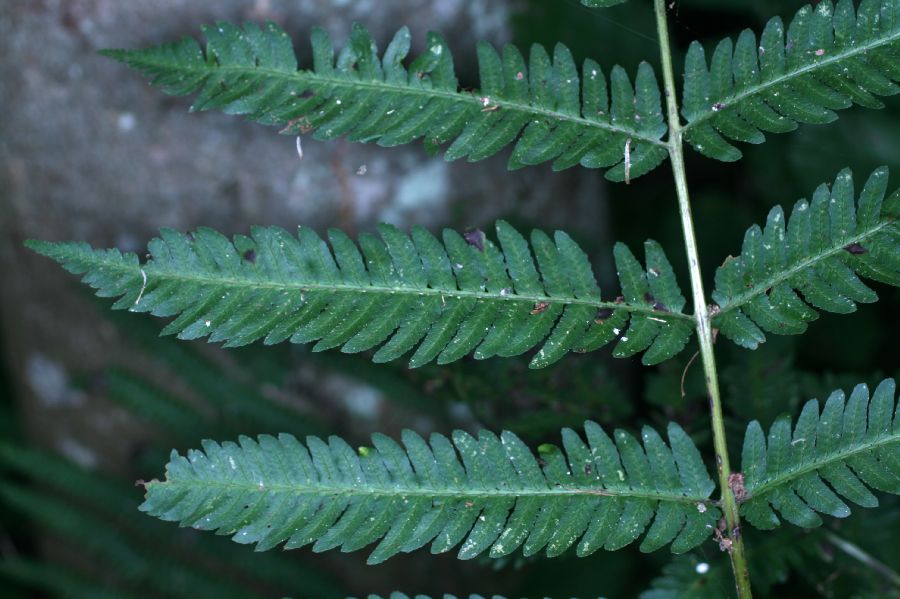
863,557
685,371
8,549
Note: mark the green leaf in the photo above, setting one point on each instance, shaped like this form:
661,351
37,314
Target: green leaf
401,292
852,445
549,112
833,57
820,252
488,494
774,557
690,577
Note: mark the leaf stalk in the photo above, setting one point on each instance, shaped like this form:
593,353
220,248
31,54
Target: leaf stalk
732,540
864,558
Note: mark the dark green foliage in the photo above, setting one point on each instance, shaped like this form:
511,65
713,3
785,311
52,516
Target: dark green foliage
448,299
97,538
55,580
213,396
833,57
397,595
547,108
777,558
819,253
177,418
681,579
490,494
97,515
852,445
767,381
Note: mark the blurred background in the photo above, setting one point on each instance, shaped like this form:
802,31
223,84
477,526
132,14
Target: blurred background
93,400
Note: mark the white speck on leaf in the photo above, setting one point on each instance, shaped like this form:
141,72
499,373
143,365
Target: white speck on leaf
143,287
628,161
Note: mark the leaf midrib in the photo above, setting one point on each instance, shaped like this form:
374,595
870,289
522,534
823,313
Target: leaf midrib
840,457
375,290
430,93
746,297
332,491
786,77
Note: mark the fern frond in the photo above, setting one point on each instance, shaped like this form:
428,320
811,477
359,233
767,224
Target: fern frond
170,414
774,557
401,292
99,540
819,252
490,494
852,446
689,577
96,535
834,57
67,488
542,106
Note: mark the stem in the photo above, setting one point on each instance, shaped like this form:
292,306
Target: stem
863,557
732,532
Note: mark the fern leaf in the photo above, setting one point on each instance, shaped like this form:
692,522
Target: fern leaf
833,57
774,559
687,577
543,108
55,581
490,494
852,445
819,252
400,292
